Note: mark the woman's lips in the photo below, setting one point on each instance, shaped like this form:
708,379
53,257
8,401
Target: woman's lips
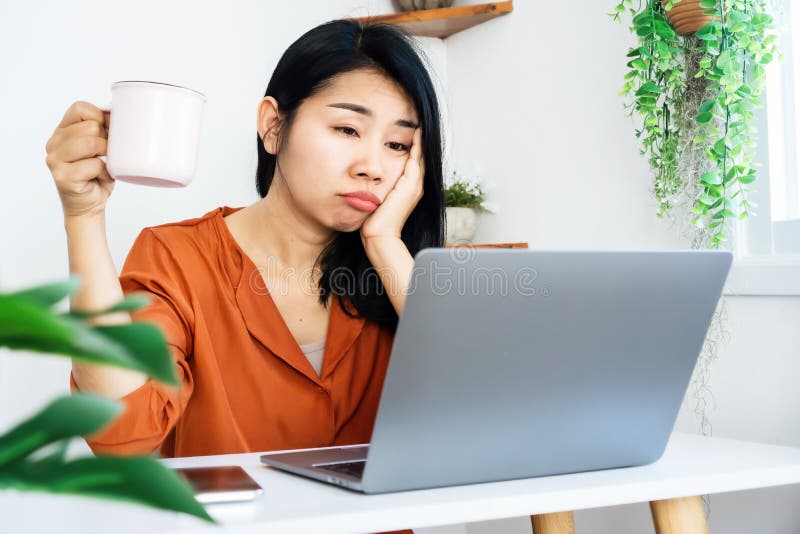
362,201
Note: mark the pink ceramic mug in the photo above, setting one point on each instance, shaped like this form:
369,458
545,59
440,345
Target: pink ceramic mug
154,133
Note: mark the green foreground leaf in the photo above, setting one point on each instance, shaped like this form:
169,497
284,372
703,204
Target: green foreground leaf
70,416
32,454
130,303
48,294
141,480
25,325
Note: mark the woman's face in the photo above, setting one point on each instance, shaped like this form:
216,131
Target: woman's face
353,136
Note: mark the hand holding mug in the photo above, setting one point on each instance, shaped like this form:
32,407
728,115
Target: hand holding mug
153,140
81,178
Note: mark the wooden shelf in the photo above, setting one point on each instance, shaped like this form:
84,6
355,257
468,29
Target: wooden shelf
443,22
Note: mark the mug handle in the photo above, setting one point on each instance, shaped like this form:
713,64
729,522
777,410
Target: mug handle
105,109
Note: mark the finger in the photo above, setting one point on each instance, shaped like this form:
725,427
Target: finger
104,177
106,120
89,128
78,148
411,170
91,168
79,129
81,111
421,180
416,145
421,157
72,177
420,166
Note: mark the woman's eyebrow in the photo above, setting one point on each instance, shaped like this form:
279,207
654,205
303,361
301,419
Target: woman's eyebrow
368,112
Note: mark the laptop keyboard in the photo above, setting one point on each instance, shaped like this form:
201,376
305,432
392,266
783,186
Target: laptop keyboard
354,469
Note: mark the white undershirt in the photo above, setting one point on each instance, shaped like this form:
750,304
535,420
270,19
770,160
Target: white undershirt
314,352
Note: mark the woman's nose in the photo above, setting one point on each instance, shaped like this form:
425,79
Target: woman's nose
369,163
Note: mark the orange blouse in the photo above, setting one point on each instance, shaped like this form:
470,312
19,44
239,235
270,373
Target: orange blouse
246,384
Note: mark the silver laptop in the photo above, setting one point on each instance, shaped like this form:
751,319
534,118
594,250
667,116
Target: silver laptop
512,364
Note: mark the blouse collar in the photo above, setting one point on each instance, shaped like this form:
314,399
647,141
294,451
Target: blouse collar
265,323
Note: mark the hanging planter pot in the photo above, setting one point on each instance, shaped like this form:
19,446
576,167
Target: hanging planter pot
687,16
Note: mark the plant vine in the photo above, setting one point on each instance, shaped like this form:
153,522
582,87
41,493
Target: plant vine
734,48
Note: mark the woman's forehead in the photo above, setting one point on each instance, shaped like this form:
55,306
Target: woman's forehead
371,90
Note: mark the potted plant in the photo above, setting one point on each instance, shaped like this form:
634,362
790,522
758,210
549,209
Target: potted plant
695,78
33,453
695,96
463,198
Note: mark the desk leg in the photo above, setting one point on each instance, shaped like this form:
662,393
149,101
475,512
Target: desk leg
684,515
555,523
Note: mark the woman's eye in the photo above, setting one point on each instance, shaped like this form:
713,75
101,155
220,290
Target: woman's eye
397,146
351,132
346,130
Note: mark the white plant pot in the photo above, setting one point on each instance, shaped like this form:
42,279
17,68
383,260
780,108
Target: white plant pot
461,224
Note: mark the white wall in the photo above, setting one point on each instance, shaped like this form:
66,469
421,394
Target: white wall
532,98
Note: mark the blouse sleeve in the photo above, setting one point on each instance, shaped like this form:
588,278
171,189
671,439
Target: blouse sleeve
151,411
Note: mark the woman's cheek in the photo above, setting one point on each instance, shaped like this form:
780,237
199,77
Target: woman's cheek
397,169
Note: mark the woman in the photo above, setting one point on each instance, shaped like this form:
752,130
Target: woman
280,316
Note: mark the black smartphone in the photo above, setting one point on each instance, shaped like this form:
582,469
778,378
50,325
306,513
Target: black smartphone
220,484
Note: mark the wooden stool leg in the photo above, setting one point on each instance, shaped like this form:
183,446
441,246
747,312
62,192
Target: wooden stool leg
684,515
555,523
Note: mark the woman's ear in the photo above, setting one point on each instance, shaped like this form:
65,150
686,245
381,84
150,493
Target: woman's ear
269,123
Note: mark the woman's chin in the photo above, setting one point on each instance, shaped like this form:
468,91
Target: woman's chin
349,224
352,228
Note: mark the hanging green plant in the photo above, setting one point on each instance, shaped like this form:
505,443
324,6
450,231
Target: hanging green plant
695,96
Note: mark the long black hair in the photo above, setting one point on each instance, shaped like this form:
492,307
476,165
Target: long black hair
305,69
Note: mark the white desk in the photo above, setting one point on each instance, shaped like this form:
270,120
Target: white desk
691,465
